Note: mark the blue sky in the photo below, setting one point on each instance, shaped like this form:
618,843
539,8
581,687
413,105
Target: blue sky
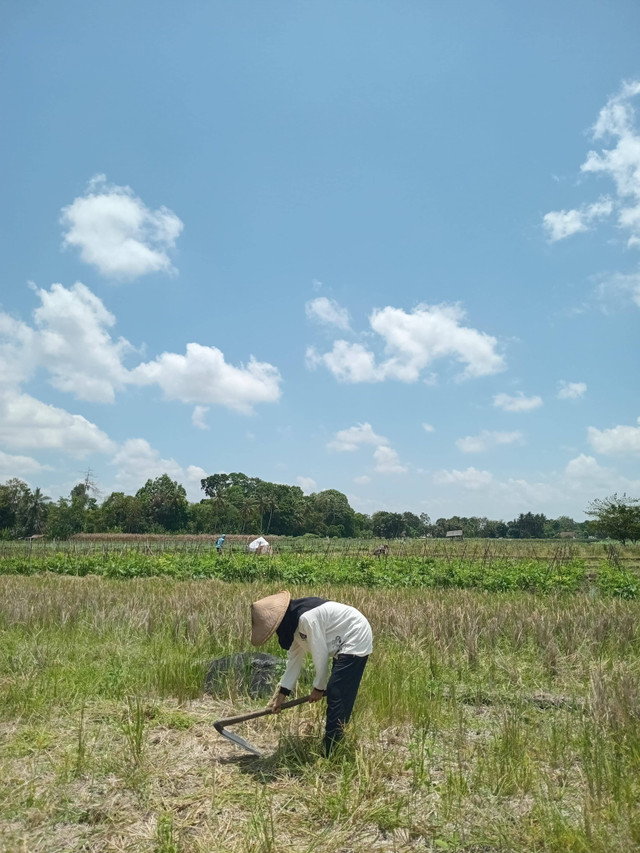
385,247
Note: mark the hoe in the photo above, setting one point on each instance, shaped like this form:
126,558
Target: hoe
219,726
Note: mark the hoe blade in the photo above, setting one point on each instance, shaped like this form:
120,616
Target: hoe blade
239,741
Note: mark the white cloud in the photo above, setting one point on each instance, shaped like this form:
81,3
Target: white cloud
585,474
198,417
385,458
137,461
70,340
387,461
428,428
327,311
621,163
620,286
471,478
117,233
19,466
571,390
352,438
487,439
348,362
517,403
307,484
623,440
412,341
416,339
560,224
18,358
363,480
203,376
28,423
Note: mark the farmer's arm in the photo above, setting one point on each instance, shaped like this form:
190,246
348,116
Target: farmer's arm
295,657
319,653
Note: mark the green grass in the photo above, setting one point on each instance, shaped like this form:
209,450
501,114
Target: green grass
541,567
487,721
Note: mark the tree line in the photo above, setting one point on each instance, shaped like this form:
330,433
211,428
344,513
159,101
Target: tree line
237,504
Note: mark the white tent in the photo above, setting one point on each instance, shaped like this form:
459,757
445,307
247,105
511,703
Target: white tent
259,546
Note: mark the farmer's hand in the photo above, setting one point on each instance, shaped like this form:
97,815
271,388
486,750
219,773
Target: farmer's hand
276,702
316,695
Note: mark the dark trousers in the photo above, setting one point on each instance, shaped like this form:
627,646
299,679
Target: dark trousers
342,690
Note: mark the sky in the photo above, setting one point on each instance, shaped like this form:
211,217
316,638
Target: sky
387,247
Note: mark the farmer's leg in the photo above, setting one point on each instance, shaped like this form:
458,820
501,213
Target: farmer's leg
342,689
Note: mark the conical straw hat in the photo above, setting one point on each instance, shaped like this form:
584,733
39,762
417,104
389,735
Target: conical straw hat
266,615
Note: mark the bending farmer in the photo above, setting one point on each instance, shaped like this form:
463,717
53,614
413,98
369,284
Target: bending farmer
325,629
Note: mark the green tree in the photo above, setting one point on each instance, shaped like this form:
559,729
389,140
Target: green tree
215,484
164,502
412,525
122,513
14,502
387,525
36,511
527,526
616,517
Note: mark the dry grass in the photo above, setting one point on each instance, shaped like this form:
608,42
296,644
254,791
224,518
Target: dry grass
485,723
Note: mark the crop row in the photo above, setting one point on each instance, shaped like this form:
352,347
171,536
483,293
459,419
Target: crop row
504,574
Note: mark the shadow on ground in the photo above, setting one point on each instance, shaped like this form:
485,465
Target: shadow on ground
293,755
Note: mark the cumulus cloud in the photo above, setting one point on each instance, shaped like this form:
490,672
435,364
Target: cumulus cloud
19,466
70,339
363,480
198,417
618,440
28,423
411,342
202,375
385,458
136,461
72,342
620,162
348,362
307,484
18,358
585,473
471,478
571,390
327,311
516,403
352,438
487,439
560,224
387,461
117,233
620,287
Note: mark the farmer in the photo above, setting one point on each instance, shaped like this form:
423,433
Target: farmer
220,544
325,629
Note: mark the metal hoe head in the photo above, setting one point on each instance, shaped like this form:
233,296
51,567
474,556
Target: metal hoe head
239,741
219,725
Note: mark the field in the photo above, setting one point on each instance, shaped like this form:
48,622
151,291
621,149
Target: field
492,717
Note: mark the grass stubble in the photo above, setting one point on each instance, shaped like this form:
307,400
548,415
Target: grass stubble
486,722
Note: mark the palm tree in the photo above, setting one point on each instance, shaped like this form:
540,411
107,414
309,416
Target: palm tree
36,511
247,509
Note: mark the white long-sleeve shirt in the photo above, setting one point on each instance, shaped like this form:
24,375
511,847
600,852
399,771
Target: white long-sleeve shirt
326,631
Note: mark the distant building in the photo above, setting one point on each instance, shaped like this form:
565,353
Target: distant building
454,534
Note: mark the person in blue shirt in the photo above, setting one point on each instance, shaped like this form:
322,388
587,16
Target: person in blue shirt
220,544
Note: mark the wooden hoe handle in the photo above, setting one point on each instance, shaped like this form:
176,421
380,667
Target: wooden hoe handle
230,721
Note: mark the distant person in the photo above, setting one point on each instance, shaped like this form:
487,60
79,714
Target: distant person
220,544
325,629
